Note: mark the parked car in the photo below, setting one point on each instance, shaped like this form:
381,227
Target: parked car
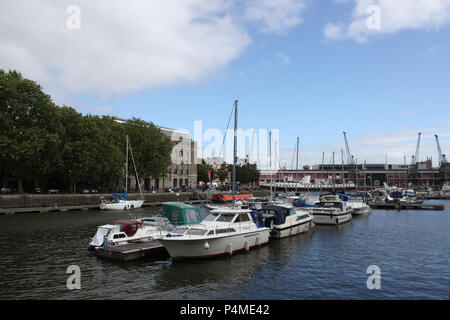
54,191
6,190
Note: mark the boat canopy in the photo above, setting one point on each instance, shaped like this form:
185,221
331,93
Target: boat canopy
301,203
120,195
344,197
128,226
279,213
180,213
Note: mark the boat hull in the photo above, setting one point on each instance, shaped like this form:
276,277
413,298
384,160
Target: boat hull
362,210
331,219
185,247
284,231
122,205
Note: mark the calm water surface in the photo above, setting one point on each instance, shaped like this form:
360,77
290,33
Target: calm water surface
410,247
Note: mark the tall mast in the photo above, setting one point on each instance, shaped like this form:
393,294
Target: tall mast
296,167
235,152
126,167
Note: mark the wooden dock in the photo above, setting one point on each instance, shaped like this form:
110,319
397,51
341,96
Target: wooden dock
11,211
133,251
406,206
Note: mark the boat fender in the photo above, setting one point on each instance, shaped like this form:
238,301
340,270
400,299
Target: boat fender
132,206
247,247
206,245
230,248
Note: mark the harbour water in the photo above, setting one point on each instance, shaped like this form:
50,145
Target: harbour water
411,248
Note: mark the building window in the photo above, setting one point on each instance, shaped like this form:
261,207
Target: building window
186,182
175,171
181,182
181,171
175,181
187,171
181,153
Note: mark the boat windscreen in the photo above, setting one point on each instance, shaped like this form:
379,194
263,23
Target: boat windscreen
225,218
211,217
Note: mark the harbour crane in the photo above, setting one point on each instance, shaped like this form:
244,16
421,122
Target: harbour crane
352,170
413,170
443,164
441,156
416,156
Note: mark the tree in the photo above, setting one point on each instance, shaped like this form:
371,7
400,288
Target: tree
28,138
151,148
202,172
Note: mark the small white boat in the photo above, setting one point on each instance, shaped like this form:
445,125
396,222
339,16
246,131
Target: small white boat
285,220
120,201
124,231
224,231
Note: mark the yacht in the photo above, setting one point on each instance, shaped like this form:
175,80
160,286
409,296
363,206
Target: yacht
224,231
331,211
285,220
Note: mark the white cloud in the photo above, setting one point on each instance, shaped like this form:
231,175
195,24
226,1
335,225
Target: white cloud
275,16
394,16
283,57
124,47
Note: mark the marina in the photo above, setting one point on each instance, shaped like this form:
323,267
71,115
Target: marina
327,262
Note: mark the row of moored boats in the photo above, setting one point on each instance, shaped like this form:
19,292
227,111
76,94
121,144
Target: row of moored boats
215,229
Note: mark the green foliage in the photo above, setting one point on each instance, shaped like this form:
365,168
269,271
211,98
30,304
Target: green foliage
41,141
202,172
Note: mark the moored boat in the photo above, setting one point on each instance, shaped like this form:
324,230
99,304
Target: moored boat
224,231
121,232
331,211
286,220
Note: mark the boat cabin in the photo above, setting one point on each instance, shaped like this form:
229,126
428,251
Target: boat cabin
130,227
180,213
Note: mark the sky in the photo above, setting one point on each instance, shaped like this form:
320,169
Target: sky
376,69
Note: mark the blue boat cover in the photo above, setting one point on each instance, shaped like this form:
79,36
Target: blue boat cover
257,218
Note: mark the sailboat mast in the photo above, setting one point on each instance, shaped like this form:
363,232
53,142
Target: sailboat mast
235,152
126,167
270,163
296,166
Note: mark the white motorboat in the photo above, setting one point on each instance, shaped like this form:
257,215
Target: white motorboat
359,207
331,211
124,231
121,201
285,220
224,231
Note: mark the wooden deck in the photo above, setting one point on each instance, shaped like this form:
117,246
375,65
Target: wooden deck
406,206
11,211
132,251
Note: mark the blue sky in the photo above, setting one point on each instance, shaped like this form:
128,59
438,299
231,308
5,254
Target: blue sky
284,69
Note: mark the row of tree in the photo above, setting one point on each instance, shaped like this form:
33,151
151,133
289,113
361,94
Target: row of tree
53,145
246,173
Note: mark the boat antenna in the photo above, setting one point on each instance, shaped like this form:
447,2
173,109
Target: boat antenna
235,152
